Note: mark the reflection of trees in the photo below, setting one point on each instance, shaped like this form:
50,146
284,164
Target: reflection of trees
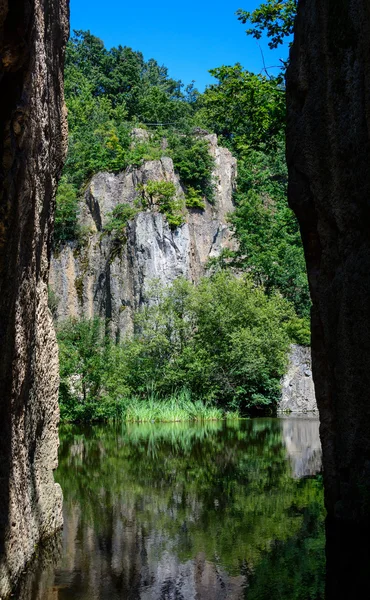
293,569
205,499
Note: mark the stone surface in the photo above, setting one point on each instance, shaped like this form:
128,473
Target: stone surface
108,280
298,390
33,138
328,154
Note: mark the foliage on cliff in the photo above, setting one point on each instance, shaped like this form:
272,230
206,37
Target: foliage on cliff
108,93
248,113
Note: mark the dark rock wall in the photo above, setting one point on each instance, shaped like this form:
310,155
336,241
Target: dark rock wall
33,135
328,153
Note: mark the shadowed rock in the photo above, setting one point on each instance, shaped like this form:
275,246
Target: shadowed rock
33,135
328,153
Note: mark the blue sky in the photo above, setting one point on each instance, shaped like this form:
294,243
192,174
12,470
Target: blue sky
189,38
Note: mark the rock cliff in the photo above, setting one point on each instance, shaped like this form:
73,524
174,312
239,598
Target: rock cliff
298,391
33,137
106,279
328,154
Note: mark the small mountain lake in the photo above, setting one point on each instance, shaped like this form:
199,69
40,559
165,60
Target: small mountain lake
212,511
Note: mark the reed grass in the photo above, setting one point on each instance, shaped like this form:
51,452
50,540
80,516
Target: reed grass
176,408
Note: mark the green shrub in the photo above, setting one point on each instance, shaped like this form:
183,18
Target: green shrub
162,195
194,199
53,301
66,212
117,220
194,163
224,341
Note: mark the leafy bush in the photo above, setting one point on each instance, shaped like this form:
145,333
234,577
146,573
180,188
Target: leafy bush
194,199
117,220
247,111
66,213
194,163
270,245
224,341
162,196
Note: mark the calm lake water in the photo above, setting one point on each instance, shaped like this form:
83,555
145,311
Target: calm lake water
188,512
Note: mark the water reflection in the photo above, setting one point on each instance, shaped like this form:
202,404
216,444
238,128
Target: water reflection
190,512
302,441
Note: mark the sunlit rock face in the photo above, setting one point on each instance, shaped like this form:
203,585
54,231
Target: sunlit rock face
298,390
101,279
328,154
33,137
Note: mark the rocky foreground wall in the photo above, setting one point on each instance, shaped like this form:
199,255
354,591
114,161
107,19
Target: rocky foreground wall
33,136
328,154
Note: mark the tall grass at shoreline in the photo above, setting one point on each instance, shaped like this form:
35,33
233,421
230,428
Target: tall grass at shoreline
177,407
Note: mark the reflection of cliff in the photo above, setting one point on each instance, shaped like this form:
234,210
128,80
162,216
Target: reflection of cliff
126,560
302,441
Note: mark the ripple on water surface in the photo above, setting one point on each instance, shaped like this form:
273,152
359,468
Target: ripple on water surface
208,511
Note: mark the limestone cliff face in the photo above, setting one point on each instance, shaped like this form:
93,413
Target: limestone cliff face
328,153
33,34
101,278
298,391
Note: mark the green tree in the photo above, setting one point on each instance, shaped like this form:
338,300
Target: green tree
66,214
225,341
270,245
247,111
161,195
274,17
194,163
83,355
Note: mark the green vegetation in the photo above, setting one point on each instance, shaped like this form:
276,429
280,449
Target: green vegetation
174,408
66,213
223,342
274,17
247,111
268,233
117,220
162,195
108,93
194,199
194,164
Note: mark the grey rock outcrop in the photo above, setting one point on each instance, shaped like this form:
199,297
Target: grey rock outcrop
108,280
33,136
328,154
298,390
